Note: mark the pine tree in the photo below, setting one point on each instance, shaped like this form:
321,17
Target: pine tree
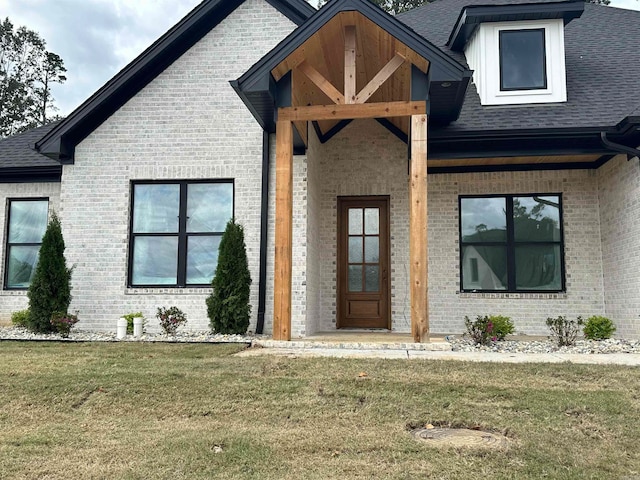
50,289
228,306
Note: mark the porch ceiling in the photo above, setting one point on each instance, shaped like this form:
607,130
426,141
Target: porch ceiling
324,52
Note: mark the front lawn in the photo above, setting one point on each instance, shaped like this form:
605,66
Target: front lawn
146,411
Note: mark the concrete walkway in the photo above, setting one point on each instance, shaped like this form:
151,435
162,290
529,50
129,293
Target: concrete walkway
628,359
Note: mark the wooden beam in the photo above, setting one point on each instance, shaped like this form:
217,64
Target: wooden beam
322,83
379,78
350,112
350,63
284,231
418,257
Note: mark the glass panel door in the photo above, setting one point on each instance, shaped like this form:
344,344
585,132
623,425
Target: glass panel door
364,249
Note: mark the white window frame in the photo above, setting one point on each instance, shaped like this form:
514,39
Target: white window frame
483,56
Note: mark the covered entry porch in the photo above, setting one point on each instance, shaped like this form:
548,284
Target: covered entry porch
353,67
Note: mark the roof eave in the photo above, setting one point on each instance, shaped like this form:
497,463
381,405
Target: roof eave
472,16
147,66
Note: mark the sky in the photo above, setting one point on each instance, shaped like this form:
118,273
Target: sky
97,38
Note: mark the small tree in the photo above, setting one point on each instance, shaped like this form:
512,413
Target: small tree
228,306
50,289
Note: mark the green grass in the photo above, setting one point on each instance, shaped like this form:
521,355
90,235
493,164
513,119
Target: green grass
146,411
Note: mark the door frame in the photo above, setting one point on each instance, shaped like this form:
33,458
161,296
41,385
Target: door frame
342,252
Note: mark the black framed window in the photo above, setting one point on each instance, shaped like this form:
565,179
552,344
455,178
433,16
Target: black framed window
176,227
26,224
522,59
511,243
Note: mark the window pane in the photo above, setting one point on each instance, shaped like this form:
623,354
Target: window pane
355,278
522,60
355,249
537,219
156,208
355,221
28,221
371,250
155,261
484,268
371,278
538,267
209,206
484,219
372,221
22,265
202,258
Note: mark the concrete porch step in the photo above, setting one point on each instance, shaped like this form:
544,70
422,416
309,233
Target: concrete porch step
440,345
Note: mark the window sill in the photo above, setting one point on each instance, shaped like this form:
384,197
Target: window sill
168,291
22,292
513,295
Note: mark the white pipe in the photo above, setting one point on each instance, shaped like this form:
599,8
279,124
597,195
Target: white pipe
137,326
121,331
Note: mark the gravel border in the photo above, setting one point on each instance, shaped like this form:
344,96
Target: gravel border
20,333
458,343
612,345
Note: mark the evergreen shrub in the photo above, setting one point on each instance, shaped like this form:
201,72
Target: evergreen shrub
598,328
228,305
50,289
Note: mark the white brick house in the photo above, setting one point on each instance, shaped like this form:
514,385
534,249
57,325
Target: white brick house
531,210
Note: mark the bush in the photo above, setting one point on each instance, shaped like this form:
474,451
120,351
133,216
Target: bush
487,329
63,322
502,326
598,328
50,289
228,306
129,317
20,318
564,331
170,319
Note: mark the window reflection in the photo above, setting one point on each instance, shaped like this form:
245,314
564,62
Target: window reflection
521,251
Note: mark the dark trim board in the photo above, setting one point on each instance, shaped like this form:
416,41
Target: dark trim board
525,167
264,229
31,175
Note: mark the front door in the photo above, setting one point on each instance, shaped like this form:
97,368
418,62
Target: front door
363,262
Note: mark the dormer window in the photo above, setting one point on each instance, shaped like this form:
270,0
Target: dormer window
516,52
518,62
522,60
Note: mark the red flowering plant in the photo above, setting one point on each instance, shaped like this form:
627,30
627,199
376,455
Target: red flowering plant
170,319
63,323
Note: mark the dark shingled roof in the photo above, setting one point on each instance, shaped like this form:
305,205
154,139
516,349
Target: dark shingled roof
18,151
602,51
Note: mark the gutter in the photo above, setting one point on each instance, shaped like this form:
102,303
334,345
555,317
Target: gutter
264,227
617,147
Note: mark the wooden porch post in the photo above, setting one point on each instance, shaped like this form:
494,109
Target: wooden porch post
418,230
284,232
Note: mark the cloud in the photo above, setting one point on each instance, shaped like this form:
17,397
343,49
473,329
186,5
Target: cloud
95,38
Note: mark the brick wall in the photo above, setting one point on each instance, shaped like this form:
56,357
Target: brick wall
365,159
619,194
12,300
186,124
